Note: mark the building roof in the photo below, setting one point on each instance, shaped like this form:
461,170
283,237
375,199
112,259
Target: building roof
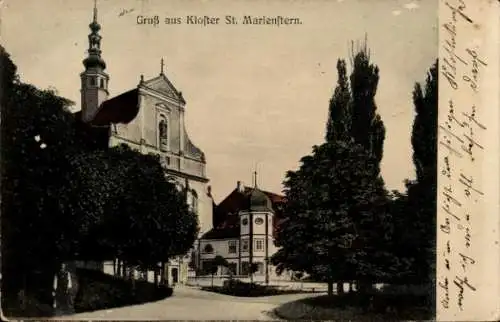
258,201
119,109
226,219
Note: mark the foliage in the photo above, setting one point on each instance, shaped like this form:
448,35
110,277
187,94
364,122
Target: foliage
367,127
37,132
62,201
336,225
236,287
419,203
339,118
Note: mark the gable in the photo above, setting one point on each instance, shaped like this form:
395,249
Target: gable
162,85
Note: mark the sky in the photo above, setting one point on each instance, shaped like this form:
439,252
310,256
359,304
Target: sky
257,96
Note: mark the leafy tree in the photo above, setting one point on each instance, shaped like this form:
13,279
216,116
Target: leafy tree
421,193
61,200
37,134
367,127
339,114
334,216
214,264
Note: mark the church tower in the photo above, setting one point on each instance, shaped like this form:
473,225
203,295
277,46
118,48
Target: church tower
94,80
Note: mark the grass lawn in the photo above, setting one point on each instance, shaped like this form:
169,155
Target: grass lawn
353,306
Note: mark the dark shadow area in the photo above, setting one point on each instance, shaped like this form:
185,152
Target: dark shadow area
96,291
243,289
376,306
99,291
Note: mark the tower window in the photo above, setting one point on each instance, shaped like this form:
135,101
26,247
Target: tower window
244,245
93,81
259,245
102,83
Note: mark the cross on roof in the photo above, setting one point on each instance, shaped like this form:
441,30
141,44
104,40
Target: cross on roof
162,66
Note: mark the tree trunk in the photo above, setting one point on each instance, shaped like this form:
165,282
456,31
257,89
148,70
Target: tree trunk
340,287
330,288
156,275
212,280
114,266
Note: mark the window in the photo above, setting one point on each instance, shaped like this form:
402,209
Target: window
208,248
259,221
232,247
244,245
163,134
102,83
93,81
232,268
244,221
259,245
245,268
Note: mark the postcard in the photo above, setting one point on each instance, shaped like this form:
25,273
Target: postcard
250,160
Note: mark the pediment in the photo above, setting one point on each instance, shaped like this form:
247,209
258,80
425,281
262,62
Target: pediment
162,85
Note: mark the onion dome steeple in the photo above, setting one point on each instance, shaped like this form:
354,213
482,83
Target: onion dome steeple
94,59
94,79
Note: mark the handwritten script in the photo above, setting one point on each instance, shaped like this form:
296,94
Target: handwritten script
461,151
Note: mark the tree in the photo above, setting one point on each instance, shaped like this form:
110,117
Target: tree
339,114
214,264
367,127
334,217
254,267
421,193
37,132
62,201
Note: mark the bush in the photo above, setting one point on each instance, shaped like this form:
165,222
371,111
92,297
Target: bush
236,287
99,291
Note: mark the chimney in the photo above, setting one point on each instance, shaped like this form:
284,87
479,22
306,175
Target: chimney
209,191
239,186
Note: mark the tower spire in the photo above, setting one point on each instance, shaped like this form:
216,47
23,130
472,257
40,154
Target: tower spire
255,177
162,63
94,79
95,11
94,59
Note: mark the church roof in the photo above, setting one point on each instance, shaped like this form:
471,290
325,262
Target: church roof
119,109
163,85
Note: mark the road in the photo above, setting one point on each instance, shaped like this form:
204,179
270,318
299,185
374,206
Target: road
189,303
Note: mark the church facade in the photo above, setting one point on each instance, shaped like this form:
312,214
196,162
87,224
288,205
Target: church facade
149,118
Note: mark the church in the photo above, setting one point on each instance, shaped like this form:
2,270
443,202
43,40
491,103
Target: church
150,119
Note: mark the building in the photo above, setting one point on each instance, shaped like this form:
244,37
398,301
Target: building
150,119
245,224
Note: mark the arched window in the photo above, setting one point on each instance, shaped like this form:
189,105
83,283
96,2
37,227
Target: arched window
163,134
208,248
102,83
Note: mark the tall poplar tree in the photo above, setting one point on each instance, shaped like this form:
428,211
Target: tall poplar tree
367,127
339,122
